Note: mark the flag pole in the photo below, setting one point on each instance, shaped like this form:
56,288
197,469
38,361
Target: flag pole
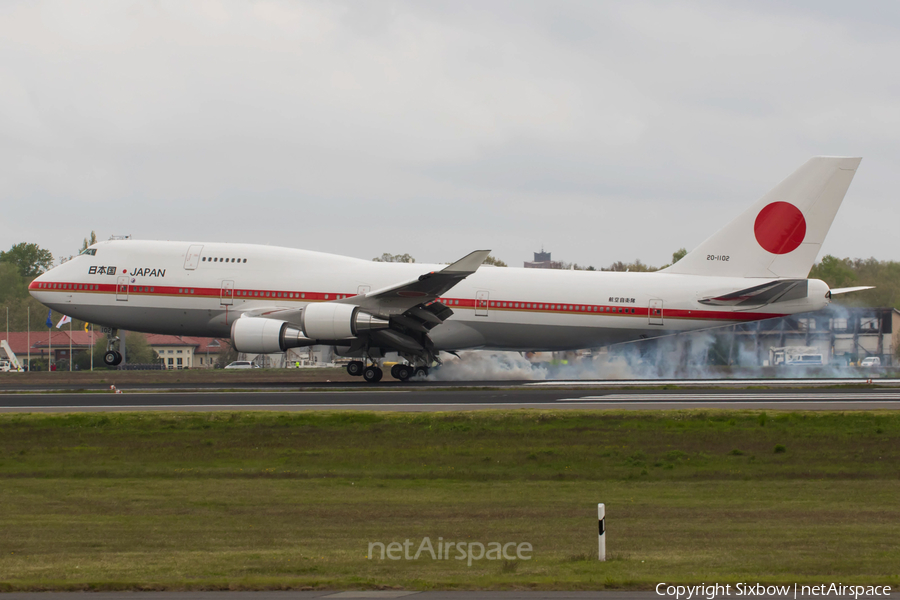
92,346
70,345
29,338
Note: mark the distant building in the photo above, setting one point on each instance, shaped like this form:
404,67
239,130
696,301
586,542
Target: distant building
542,261
184,352
177,352
841,335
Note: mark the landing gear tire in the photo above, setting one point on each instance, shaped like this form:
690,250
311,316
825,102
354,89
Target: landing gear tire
404,372
355,368
112,358
421,371
394,371
373,374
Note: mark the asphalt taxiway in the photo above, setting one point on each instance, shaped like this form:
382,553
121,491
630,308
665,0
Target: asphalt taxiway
414,398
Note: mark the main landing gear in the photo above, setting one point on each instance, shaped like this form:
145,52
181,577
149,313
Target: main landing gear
406,372
355,368
112,357
401,372
373,373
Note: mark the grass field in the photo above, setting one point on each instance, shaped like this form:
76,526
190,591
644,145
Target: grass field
278,500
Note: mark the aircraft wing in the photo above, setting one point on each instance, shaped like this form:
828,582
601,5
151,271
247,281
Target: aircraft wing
416,296
425,289
411,307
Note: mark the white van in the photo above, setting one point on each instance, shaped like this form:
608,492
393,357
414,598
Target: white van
242,364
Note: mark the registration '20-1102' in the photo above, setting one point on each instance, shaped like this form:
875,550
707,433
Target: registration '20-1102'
721,257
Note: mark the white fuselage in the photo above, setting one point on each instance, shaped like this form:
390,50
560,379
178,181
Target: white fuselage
184,288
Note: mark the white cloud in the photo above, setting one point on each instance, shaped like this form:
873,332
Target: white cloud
605,131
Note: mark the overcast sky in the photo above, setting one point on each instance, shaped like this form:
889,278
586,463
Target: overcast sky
600,131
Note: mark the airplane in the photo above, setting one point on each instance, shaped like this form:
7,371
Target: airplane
270,299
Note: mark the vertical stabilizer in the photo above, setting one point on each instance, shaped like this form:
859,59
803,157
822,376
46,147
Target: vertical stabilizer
781,234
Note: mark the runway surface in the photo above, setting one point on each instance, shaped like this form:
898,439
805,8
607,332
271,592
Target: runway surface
416,399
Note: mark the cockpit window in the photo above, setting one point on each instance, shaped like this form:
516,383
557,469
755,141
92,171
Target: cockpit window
89,251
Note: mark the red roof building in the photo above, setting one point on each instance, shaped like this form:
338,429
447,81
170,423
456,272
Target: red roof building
177,352
41,343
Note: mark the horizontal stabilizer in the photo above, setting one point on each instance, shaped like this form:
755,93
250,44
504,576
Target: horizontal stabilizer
858,288
760,295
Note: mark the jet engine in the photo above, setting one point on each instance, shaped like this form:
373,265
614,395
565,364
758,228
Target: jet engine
255,335
319,324
330,321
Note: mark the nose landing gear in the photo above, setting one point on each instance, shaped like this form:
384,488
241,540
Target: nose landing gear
112,357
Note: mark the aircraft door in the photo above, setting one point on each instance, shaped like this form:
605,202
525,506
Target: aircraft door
363,290
227,295
192,258
122,288
482,301
656,312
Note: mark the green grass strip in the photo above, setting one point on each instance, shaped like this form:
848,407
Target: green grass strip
256,500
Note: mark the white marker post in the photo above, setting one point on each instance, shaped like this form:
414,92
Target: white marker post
601,517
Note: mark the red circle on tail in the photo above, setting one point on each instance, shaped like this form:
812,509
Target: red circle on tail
780,228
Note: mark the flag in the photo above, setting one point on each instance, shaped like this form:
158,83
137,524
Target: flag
87,327
49,319
63,321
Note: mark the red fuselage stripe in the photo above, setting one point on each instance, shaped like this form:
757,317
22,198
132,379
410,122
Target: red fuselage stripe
467,303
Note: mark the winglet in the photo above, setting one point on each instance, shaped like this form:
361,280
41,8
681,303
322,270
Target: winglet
467,264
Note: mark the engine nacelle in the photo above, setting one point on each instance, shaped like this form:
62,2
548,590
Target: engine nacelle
331,321
255,335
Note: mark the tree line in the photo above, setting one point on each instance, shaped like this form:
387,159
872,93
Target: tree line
846,272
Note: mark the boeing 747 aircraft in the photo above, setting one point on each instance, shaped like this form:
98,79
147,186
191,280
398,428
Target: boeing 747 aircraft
270,299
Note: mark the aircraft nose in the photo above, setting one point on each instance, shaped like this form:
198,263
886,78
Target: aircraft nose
37,285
